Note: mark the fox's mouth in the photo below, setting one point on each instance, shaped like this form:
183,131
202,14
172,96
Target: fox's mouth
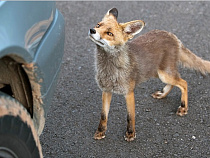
97,41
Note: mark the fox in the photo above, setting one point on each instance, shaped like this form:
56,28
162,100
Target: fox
122,63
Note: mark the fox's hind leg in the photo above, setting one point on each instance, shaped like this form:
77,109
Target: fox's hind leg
162,94
183,108
179,82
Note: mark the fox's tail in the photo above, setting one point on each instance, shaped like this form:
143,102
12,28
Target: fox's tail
190,60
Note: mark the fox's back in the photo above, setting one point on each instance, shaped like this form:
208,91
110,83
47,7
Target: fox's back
156,42
155,50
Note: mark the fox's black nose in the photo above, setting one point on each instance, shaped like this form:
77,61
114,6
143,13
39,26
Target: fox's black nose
92,31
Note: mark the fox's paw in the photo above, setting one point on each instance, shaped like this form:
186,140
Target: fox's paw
158,95
181,111
99,135
130,136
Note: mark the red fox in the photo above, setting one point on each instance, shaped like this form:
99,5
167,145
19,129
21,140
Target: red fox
121,65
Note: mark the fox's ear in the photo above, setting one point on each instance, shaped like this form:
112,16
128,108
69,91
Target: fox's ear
113,12
132,28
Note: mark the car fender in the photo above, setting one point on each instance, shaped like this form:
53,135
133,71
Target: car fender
21,38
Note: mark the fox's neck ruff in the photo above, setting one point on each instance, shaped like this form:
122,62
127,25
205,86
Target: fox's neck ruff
114,51
118,56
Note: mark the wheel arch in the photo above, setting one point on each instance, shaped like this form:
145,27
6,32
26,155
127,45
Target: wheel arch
20,64
17,53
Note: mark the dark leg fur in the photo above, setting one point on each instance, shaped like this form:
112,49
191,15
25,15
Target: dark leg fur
106,99
130,133
182,84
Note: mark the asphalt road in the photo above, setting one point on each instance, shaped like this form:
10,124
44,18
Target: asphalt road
75,112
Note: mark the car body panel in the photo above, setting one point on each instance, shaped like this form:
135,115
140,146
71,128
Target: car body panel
22,27
33,34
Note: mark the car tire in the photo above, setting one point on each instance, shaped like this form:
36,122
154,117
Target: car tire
18,137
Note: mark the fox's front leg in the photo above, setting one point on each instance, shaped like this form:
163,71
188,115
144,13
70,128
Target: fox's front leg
106,99
130,102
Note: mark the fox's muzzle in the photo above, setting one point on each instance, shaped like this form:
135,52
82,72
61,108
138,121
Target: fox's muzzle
95,37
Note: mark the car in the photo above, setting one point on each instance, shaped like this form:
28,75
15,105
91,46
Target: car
32,36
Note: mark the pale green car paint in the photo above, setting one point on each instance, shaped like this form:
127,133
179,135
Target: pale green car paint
33,33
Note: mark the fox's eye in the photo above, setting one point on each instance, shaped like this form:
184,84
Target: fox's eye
98,25
110,34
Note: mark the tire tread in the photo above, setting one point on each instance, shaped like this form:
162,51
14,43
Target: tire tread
18,127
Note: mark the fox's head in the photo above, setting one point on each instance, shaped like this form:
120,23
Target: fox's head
109,33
